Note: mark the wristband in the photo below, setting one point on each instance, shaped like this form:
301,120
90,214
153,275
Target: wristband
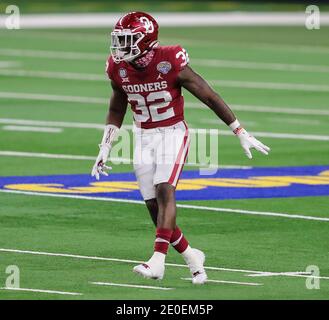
110,134
239,130
235,125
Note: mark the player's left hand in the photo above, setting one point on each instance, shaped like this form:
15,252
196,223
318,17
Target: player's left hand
99,167
249,142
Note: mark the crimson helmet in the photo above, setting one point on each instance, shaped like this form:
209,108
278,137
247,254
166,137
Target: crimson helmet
134,34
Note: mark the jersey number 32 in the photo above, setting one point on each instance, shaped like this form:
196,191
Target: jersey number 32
149,109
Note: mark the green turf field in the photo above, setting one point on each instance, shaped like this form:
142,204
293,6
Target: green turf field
279,87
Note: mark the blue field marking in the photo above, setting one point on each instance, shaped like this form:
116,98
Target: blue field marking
239,184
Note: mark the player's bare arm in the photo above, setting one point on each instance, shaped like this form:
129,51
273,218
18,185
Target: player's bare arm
114,119
118,106
195,84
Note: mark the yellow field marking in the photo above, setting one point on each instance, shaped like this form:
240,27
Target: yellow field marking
184,184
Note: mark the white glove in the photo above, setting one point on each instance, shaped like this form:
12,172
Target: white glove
248,141
100,167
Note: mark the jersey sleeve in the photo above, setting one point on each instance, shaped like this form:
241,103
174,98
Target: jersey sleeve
180,58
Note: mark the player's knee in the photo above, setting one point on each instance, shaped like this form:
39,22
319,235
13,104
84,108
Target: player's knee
165,192
152,206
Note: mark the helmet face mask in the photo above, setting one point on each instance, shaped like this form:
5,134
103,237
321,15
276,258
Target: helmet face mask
124,45
133,35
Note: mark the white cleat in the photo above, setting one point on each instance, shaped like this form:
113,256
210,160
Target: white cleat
199,278
195,262
150,272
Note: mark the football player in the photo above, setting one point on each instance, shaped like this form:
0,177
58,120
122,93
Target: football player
150,78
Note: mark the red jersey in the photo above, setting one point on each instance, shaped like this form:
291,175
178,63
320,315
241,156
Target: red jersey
153,93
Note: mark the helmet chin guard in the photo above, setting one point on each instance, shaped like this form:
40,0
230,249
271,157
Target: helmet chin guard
133,35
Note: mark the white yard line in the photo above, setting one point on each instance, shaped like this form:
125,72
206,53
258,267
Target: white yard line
193,105
278,135
221,83
52,97
275,135
92,158
298,121
265,109
47,54
170,19
57,156
248,45
229,282
63,124
283,110
8,64
270,274
54,75
214,121
270,85
32,129
74,256
295,48
103,38
237,64
179,205
213,63
83,125
72,36
42,291
288,274
45,155
251,212
130,285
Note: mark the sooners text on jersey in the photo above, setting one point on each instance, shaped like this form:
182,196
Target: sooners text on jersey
153,93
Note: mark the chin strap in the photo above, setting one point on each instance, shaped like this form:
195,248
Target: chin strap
144,60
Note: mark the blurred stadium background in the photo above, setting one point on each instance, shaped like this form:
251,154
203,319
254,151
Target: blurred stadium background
259,238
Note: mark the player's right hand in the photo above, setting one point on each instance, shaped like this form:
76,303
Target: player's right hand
100,166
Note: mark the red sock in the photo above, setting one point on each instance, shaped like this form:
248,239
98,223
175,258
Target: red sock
162,240
178,241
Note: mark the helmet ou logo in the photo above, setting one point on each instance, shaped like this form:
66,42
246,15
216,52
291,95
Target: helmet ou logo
147,24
